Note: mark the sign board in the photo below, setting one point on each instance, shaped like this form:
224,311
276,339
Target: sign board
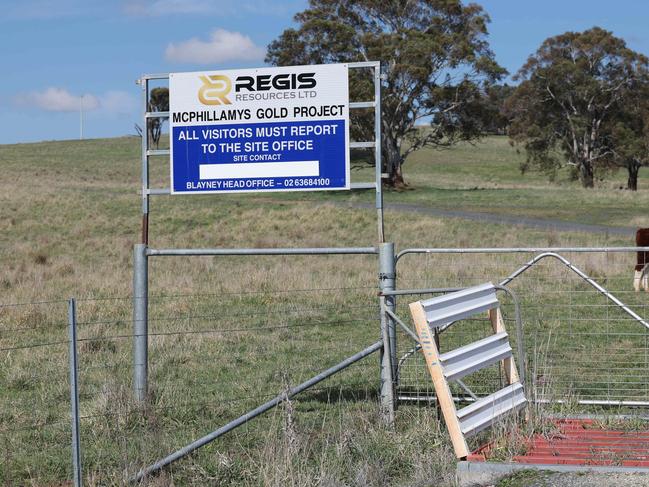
266,129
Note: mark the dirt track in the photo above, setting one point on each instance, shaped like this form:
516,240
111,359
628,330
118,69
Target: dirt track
548,224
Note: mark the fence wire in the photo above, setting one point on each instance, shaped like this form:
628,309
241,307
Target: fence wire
580,346
216,355
212,358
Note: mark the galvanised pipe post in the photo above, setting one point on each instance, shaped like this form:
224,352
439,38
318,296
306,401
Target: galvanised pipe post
387,379
144,84
74,392
388,332
140,322
388,278
378,161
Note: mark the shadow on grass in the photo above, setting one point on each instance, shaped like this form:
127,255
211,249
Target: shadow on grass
334,395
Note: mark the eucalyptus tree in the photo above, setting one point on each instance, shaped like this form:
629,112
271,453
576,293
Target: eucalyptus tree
629,134
437,66
572,90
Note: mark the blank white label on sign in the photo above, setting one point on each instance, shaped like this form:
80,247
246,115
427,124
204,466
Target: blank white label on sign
260,170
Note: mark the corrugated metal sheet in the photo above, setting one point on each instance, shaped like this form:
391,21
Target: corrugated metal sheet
482,414
582,442
455,306
475,356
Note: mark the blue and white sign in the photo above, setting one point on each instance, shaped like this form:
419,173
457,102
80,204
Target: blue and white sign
266,129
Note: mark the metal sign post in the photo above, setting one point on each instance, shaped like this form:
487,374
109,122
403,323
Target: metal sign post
295,145
375,144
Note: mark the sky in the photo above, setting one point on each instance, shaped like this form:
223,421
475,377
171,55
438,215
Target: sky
66,56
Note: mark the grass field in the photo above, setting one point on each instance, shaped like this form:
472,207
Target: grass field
486,178
229,333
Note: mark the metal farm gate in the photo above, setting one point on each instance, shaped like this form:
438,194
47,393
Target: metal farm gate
581,333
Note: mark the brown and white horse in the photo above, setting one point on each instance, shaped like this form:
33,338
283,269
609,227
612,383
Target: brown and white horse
641,276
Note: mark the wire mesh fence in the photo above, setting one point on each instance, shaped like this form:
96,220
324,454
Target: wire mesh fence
581,346
216,355
213,356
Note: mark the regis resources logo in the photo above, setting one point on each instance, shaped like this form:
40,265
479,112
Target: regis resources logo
215,89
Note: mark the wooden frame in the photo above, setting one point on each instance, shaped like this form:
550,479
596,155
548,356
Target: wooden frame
435,367
508,364
444,396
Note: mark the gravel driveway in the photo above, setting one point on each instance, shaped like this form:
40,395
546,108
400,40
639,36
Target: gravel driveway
530,478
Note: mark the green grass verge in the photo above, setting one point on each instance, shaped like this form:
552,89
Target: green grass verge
226,334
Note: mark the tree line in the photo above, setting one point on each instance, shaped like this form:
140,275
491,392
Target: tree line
582,99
